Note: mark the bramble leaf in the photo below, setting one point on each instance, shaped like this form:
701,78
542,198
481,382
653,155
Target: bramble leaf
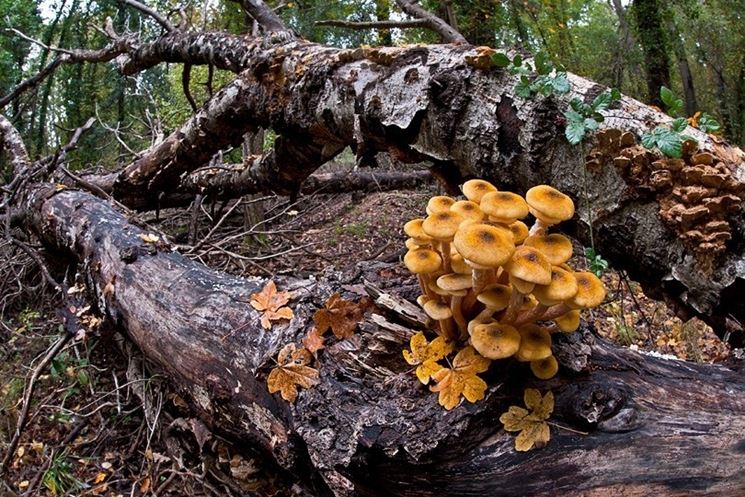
500,60
530,422
425,355
271,303
292,371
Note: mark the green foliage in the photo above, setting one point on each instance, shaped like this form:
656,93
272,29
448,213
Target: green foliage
541,77
583,118
59,478
673,104
670,140
708,124
597,264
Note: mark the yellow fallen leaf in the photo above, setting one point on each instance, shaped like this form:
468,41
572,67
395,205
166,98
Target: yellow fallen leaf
292,371
270,302
461,379
530,422
149,238
425,355
99,478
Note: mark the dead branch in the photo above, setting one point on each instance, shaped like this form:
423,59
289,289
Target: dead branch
448,32
388,24
165,23
266,17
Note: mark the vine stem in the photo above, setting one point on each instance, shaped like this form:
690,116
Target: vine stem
562,427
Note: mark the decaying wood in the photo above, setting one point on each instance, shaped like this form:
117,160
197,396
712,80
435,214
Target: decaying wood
655,427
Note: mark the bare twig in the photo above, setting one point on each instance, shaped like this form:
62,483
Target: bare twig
448,32
185,77
152,13
51,353
387,24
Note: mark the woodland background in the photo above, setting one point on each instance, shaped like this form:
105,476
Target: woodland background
103,421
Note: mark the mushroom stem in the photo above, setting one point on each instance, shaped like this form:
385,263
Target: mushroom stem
516,300
543,313
538,228
446,329
460,321
424,285
445,252
481,278
485,314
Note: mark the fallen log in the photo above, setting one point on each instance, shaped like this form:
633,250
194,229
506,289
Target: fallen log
654,426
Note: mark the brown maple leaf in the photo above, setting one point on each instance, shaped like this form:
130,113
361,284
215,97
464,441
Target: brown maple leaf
530,422
314,341
292,371
271,303
339,315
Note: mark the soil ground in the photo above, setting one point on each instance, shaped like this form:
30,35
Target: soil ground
88,432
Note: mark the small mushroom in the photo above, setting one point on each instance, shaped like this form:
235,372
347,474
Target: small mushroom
495,298
423,261
439,203
568,322
484,247
535,343
495,340
440,312
549,206
527,266
590,291
545,369
456,285
474,189
414,230
504,207
557,248
563,287
469,211
519,232
442,226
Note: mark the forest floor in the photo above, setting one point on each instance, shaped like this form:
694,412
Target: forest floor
88,432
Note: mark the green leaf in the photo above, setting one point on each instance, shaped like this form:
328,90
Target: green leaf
615,95
673,104
601,102
500,60
575,132
523,88
649,140
560,83
591,124
517,61
670,144
708,124
542,64
679,124
574,117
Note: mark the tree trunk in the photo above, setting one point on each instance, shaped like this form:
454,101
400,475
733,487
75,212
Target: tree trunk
655,427
686,78
648,15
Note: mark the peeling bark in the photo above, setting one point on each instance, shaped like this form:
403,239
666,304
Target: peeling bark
662,427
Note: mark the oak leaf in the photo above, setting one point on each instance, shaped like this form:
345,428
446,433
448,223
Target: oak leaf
461,379
425,355
271,302
292,371
313,341
530,422
339,315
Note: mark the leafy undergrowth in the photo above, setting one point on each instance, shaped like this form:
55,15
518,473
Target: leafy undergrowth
88,432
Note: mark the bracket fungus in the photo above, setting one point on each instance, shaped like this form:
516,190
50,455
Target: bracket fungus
494,284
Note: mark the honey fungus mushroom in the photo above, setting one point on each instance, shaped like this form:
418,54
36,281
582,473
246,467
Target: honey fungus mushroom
475,189
484,248
495,340
549,206
423,262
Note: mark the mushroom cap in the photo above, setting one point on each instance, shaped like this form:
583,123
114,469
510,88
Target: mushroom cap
411,244
519,232
439,203
496,297
590,291
495,340
545,369
455,281
468,210
528,302
414,229
529,264
436,288
474,189
484,245
535,343
504,207
522,286
549,204
437,310
568,322
557,248
563,286
475,322
422,260
459,265
442,225
421,300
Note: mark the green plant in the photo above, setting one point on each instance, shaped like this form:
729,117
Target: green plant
583,117
59,478
549,79
626,334
597,263
708,124
673,104
670,140
355,229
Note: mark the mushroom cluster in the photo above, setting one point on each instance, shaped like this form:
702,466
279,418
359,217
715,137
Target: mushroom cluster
488,280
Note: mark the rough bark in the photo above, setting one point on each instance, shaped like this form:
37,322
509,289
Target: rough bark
655,427
438,104
648,16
